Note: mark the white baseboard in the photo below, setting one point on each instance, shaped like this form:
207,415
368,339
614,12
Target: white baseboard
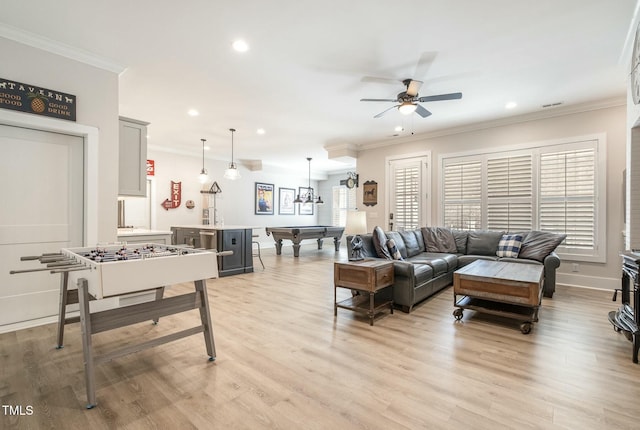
595,282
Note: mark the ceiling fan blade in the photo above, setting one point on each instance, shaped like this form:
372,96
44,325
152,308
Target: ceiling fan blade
413,87
378,100
422,111
440,97
384,111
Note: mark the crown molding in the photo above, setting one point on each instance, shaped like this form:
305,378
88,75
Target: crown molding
501,122
58,48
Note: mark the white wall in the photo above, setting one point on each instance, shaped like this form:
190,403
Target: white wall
236,202
96,92
609,120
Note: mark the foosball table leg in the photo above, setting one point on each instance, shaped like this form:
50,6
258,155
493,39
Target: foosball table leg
64,279
205,318
159,295
85,325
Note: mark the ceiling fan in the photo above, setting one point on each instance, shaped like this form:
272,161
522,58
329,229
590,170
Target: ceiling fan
408,100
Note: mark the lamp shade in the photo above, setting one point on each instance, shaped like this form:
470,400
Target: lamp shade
356,223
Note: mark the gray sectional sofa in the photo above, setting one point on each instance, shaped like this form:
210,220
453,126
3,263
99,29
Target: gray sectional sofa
426,258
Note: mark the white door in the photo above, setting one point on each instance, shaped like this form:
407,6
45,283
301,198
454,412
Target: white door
408,196
42,211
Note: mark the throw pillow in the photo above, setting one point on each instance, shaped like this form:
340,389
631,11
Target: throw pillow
483,242
439,239
380,243
393,249
538,244
509,245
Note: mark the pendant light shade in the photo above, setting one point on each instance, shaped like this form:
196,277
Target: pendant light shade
204,175
232,172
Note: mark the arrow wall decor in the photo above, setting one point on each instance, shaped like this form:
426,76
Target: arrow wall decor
176,196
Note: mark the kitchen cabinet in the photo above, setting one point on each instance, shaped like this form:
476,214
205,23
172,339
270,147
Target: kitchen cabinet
189,236
136,235
132,177
222,238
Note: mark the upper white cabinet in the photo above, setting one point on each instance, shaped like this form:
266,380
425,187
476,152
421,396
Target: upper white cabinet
133,158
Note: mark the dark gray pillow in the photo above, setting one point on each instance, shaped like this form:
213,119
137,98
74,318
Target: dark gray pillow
538,244
439,239
380,243
483,242
460,236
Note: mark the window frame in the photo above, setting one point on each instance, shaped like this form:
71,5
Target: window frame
595,141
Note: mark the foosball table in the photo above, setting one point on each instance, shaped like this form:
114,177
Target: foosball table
117,270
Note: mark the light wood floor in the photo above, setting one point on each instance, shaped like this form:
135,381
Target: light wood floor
284,361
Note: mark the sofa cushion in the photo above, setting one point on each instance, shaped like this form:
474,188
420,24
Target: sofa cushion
380,243
463,260
460,236
393,250
410,243
397,238
438,239
483,242
422,273
425,257
439,265
418,233
538,244
509,245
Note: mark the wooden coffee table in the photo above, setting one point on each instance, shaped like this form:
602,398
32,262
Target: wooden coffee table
513,290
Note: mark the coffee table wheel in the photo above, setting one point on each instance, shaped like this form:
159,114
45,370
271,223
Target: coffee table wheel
458,314
525,327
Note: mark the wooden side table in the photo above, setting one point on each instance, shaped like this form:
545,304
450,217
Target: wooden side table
368,276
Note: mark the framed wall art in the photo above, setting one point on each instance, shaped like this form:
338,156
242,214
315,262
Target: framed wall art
264,199
286,196
305,208
370,193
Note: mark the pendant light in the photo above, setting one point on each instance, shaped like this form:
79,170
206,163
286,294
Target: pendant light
232,172
203,173
308,197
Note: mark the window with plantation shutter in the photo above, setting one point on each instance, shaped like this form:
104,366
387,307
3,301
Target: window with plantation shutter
344,199
407,198
408,182
558,187
462,193
568,196
510,193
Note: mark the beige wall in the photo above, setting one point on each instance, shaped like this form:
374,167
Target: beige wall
96,92
609,120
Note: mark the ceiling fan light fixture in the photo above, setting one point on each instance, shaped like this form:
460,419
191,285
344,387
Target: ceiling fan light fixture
407,108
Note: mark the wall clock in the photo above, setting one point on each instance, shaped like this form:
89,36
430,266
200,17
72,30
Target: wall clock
635,68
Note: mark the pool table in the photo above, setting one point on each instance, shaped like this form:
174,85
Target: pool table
299,233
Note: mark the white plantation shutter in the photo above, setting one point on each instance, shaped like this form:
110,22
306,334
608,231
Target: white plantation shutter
568,196
344,199
407,197
510,193
463,195
556,187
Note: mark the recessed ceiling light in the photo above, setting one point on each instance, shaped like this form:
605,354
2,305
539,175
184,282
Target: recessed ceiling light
207,147
510,105
240,46
399,128
260,131
193,112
